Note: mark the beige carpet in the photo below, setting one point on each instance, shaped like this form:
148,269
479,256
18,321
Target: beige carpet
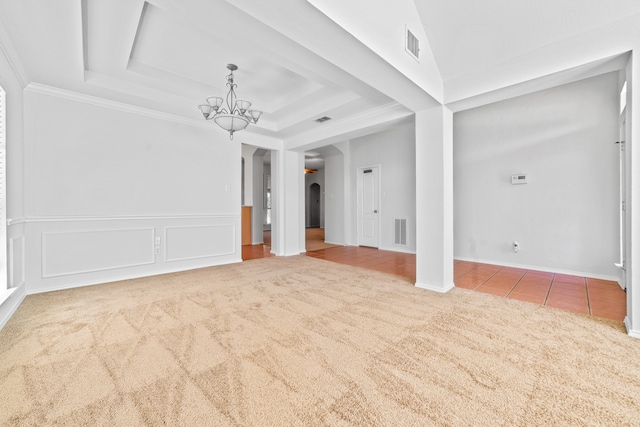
301,341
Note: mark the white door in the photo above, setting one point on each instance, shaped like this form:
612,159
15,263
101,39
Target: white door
369,206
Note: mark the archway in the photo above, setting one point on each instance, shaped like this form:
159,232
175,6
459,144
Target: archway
314,205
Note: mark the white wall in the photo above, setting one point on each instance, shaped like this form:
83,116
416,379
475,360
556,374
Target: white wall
394,151
317,178
14,188
112,194
566,218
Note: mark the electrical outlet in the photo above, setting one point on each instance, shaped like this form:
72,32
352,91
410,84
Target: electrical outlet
157,251
158,241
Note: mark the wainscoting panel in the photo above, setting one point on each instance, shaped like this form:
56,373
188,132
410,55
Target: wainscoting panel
16,261
66,253
62,253
199,241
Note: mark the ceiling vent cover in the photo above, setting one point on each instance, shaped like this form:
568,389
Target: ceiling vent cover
413,45
322,119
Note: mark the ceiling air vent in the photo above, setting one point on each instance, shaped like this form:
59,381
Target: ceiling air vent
322,119
413,44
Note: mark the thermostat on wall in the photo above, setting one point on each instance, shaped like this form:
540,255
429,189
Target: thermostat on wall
519,179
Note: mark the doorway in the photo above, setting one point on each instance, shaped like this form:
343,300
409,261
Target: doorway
314,205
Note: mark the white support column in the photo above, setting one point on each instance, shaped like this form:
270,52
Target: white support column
287,179
434,199
297,177
277,203
349,196
257,196
632,321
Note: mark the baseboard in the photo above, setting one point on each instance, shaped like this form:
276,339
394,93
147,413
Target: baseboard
546,269
9,307
120,278
397,249
631,332
292,253
382,248
622,285
439,289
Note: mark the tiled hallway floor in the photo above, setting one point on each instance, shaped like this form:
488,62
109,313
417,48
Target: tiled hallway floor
602,298
596,297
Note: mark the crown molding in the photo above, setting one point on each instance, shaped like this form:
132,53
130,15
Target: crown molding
353,126
114,105
252,138
561,77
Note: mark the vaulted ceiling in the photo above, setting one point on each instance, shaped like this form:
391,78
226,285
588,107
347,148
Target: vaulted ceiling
300,60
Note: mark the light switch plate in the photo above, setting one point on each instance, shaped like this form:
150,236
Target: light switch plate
519,179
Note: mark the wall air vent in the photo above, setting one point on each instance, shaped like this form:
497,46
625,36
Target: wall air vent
322,119
412,45
400,235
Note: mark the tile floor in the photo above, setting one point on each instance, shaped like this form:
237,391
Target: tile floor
595,297
602,298
256,251
359,256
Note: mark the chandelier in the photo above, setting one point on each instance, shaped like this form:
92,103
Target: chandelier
236,116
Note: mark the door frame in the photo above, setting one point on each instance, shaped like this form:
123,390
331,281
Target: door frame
379,225
623,198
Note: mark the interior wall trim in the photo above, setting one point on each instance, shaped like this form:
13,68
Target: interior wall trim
42,219
9,307
631,332
147,254
115,105
545,269
395,248
440,289
169,236
252,138
16,242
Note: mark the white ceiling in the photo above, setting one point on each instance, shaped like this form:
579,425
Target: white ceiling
478,34
169,56
303,59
